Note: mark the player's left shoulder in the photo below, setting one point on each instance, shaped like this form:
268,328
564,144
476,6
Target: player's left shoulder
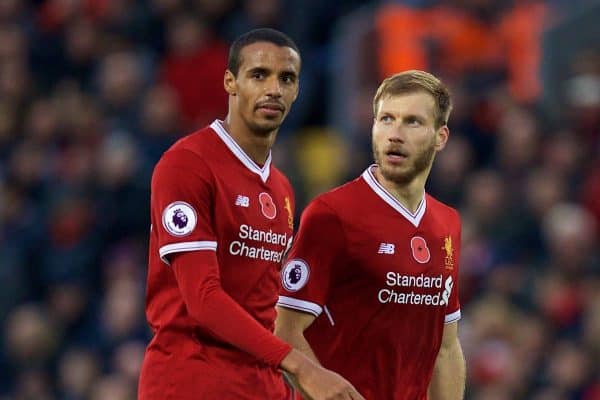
279,178
442,209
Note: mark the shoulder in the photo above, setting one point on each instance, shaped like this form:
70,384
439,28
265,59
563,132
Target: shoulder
191,153
344,197
331,207
280,177
443,210
181,166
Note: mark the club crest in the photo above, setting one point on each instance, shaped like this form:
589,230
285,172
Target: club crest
449,258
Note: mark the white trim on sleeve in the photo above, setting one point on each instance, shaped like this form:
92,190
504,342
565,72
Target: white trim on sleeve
455,316
185,246
300,305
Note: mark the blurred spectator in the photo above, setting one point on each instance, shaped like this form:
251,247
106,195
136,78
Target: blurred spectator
122,313
77,370
450,170
112,387
127,360
569,232
591,193
81,50
582,93
31,337
192,47
160,122
483,42
120,78
92,92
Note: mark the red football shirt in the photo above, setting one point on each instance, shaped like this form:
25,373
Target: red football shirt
382,283
208,195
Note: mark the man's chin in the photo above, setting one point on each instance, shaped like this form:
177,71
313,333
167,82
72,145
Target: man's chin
397,174
265,127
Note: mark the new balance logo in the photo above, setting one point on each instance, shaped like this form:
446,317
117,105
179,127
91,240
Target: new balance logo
386,248
242,201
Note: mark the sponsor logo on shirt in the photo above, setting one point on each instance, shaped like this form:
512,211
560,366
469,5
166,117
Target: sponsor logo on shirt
245,248
242,201
386,248
179,218
401,289
294,275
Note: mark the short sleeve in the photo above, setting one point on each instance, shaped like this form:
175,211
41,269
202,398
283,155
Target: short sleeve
453,309
305,275
181,203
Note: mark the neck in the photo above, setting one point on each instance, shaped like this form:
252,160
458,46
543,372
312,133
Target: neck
256,146
408,194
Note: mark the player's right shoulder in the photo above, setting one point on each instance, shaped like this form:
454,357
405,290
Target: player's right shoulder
189,152
340,197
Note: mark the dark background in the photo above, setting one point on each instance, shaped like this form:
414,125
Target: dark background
93,91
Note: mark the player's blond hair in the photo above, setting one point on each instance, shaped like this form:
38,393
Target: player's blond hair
417,81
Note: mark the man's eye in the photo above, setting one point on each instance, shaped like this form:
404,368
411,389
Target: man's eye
386,118
258,75
288,79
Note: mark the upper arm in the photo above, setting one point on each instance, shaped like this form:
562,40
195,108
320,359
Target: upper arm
316,250
181,205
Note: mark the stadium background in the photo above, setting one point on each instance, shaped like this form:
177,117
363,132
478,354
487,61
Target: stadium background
93,91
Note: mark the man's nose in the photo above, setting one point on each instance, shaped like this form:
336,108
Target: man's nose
397,135
273,87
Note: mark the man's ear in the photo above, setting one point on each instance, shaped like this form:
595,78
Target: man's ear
229,83
441,137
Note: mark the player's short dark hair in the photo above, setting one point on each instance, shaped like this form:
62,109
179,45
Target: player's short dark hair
417,81
257,35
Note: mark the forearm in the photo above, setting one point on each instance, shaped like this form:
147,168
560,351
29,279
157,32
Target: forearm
216,312
449,374
298,342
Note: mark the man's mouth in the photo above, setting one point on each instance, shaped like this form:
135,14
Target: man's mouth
396,156
396,153
271,106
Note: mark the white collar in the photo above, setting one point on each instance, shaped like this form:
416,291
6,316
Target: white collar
386,196
240,154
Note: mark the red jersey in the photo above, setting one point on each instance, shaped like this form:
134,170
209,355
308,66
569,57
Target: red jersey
382,283
208,195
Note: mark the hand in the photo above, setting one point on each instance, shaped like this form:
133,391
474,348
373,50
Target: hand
322,384
317,382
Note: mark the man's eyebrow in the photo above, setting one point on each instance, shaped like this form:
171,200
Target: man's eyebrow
258,69
289,72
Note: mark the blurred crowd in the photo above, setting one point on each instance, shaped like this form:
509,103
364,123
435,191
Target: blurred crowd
93,91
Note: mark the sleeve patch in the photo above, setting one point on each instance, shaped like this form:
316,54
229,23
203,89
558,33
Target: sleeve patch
294,274
179,218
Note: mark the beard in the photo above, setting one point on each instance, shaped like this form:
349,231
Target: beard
264,127
405,174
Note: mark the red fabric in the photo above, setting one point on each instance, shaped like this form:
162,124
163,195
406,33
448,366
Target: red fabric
197,275
591,195
352,250
204,199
